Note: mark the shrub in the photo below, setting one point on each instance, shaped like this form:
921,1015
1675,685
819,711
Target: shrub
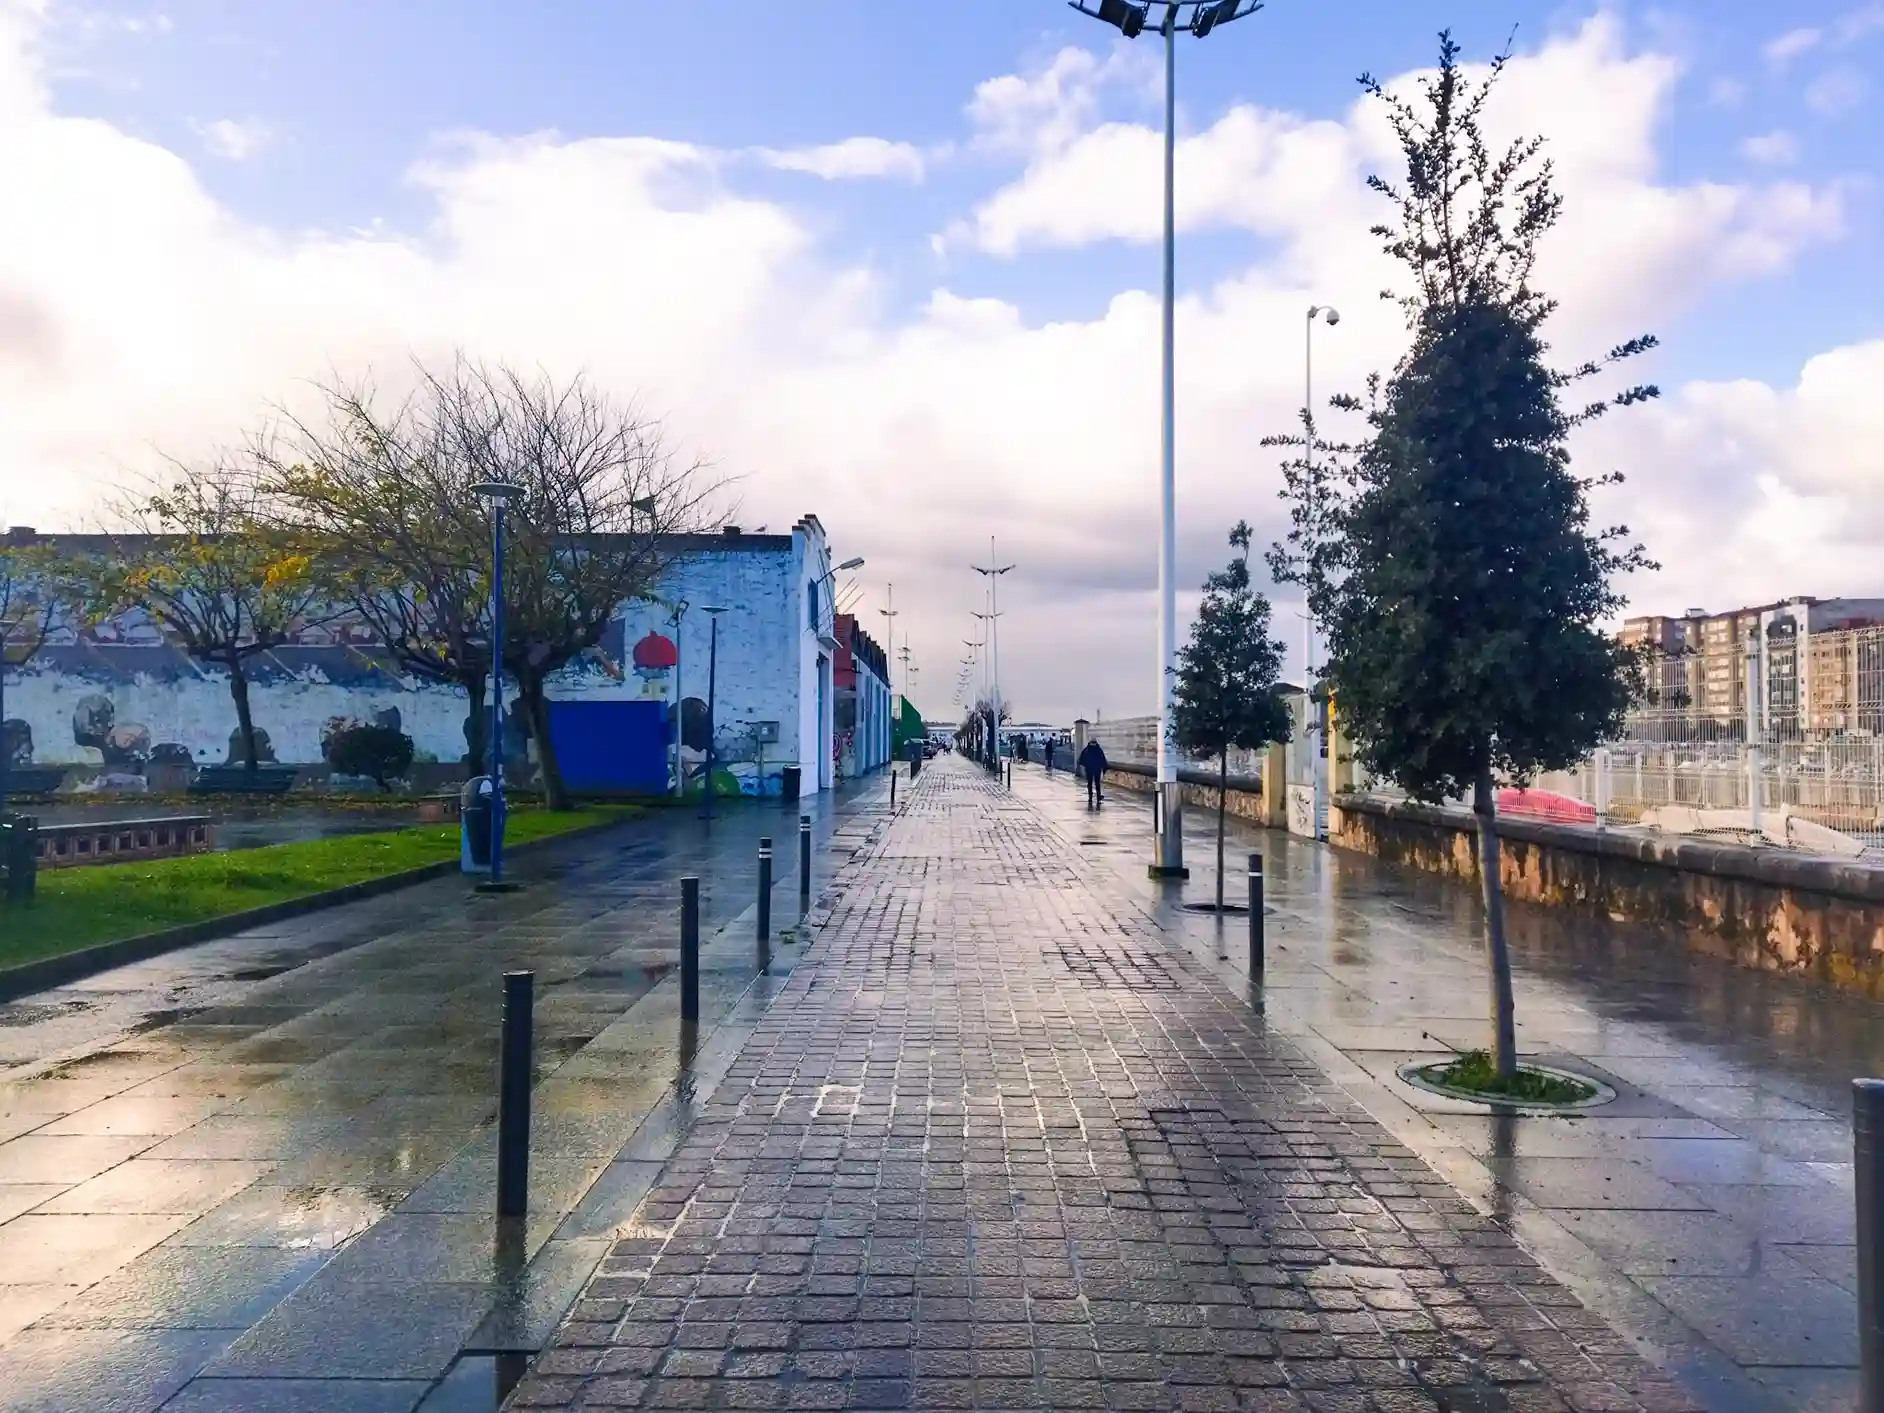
378,752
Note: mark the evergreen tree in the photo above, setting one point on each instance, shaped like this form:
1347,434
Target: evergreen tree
1464,601
1225,694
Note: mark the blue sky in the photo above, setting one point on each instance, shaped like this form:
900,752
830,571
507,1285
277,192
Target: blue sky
353,90
214,201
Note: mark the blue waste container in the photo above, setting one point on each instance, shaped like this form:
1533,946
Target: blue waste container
474,825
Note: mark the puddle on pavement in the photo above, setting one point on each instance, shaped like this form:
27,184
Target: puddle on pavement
262,973
476,1383
28,1013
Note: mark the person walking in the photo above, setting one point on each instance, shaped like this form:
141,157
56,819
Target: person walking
1092,761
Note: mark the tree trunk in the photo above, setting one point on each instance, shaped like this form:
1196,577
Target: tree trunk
1497,956
245,720
477,741
1223,796
536,715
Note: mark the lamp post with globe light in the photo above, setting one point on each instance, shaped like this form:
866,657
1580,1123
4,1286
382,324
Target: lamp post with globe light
1197,17
1314,722
499,495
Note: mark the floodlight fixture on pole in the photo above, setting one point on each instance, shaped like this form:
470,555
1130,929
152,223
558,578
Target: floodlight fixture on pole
1197,17
1314,728
889,632
992,572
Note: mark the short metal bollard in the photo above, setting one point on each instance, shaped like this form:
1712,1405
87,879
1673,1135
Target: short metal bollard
19,838
690,949
765,904
1256,915
515,1062
1867,1145
892,789
804,858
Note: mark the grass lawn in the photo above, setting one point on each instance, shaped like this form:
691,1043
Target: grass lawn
79,907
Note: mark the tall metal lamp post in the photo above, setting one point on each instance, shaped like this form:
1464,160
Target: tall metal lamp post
499,495
992,572
889,658
680,706
713,611
1198,17
1314,724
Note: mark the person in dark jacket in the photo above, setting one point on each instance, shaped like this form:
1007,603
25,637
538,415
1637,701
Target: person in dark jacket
1092,761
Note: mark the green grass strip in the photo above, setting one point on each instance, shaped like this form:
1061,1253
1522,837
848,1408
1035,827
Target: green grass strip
90,904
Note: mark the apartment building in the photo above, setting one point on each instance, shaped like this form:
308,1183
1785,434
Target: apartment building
1819,666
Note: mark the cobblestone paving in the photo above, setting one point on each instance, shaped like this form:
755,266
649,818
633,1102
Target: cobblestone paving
996,1146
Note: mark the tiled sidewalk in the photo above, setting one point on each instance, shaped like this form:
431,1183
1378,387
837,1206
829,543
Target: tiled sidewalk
997,1145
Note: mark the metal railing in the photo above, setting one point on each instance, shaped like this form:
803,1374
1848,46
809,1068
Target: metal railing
1133,740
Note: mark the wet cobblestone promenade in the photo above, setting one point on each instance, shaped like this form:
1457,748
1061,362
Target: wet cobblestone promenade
997,1143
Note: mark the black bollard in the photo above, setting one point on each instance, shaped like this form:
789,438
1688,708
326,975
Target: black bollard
892,789
690,949
19,838
804,860
1867,1145
513,1094
765,904
1256,916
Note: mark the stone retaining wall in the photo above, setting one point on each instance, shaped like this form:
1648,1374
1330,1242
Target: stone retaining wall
1244,799
1762,908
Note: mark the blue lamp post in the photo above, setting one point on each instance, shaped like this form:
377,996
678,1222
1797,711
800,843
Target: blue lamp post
499,494
713,611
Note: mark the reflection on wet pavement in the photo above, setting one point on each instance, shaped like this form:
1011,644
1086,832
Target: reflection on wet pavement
259,1174
1707,1211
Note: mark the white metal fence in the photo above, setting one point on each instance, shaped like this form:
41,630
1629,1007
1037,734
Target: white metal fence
1134,740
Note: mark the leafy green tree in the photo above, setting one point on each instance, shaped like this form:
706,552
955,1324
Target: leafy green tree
1464,598
208,563
1225,694
37,592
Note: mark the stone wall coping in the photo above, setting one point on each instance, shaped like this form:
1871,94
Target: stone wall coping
1189,775
108,826
1777,867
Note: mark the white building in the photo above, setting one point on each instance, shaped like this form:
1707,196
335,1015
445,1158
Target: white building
122,699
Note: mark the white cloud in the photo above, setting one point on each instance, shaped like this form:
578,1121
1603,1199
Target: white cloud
136,312
1836,91
1040,113
852,158
1627,242
233,140
1856,24
1775,149
1794,42
1725,92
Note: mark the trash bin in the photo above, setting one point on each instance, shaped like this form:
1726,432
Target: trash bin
790,782
474,825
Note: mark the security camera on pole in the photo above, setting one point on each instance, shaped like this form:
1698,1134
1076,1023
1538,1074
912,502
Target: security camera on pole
1198,17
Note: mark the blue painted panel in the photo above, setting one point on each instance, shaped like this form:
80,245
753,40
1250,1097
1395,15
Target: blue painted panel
612,746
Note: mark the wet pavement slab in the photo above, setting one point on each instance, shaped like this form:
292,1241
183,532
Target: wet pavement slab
1706,1213
260,1173
1009,1136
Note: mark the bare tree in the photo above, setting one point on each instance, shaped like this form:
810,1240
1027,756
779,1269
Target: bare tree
391,489
402,536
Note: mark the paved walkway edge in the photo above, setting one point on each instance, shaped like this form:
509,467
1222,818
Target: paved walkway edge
67,967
